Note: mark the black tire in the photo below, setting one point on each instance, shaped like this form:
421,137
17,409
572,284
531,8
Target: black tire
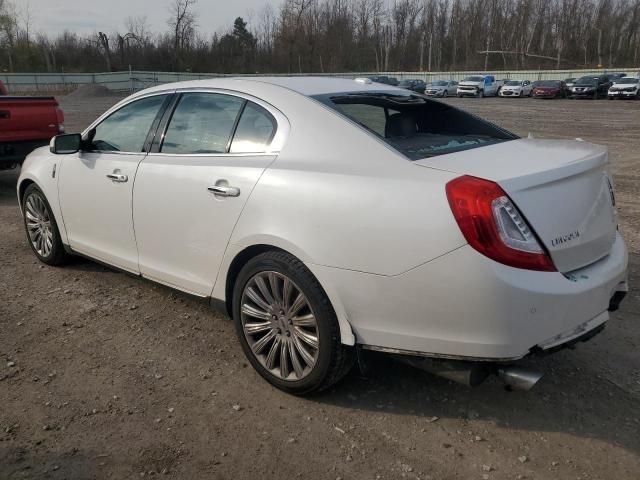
57,254
481,94
444,93
334,359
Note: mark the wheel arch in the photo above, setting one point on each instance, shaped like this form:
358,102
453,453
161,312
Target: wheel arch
223,290
22,187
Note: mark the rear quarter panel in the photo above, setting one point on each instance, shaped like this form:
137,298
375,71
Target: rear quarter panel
338,196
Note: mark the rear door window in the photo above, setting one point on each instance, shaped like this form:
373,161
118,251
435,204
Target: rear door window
202,123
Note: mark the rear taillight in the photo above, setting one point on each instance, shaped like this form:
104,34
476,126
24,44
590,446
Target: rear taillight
493,226
60,120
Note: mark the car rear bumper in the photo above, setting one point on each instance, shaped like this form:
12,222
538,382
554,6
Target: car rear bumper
465,306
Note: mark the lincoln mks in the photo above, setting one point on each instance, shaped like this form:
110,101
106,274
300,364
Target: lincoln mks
332,217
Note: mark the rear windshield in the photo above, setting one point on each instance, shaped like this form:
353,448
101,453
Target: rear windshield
587,81
415,126
628,80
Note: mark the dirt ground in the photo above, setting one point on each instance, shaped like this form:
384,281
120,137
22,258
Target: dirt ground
104,375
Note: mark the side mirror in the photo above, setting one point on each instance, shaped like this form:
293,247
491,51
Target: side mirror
66,144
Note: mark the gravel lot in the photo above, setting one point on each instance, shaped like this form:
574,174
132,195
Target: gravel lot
104,375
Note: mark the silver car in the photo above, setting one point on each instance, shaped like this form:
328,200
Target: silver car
441,88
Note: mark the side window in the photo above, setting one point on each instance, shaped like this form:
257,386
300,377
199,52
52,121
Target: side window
202,123
126,129
371,116
254,131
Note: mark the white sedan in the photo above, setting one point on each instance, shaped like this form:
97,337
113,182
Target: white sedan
516,88
331,216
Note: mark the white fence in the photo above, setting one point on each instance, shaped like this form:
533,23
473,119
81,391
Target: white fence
135,80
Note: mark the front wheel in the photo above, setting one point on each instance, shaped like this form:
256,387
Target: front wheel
41,227
444,94
287,326
481,94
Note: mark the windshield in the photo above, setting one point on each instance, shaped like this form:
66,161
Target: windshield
631,80
415,126
570,80
473,79
586,81
438,83
513,83
548,83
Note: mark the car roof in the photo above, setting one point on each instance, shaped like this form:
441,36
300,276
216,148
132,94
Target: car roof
308,86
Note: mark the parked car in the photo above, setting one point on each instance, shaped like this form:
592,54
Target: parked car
627,87
417,86
393,81
26,123
237,191
441,88
516,88
590,87
616,76
549,89
569,82
479,86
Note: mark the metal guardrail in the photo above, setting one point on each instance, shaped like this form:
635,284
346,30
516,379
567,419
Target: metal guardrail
134,80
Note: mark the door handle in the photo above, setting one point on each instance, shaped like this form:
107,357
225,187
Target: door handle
117,177
224,191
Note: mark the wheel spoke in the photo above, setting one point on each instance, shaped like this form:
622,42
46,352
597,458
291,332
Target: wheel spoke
260,344
255,298
295,361
255,312
308,320
273,351
286,292
275,289
257,327
304,353
298,303
284,363
262,286
306,337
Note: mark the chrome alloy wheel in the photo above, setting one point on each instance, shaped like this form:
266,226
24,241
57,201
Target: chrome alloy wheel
279,325
39,225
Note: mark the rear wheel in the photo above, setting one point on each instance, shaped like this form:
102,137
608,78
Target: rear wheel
41,227
287,326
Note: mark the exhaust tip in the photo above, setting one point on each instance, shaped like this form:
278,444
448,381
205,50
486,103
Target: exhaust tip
516,378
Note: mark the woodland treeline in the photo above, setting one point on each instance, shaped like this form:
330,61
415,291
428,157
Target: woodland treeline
300,36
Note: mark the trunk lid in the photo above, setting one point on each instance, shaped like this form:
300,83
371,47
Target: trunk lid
562,188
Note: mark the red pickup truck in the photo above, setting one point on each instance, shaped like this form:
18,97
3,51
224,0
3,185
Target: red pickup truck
25,124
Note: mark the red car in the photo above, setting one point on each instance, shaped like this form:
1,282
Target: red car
26,123
549,89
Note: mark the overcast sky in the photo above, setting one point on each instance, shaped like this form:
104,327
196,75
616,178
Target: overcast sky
87,16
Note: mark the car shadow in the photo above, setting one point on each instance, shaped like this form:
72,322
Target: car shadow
575,396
